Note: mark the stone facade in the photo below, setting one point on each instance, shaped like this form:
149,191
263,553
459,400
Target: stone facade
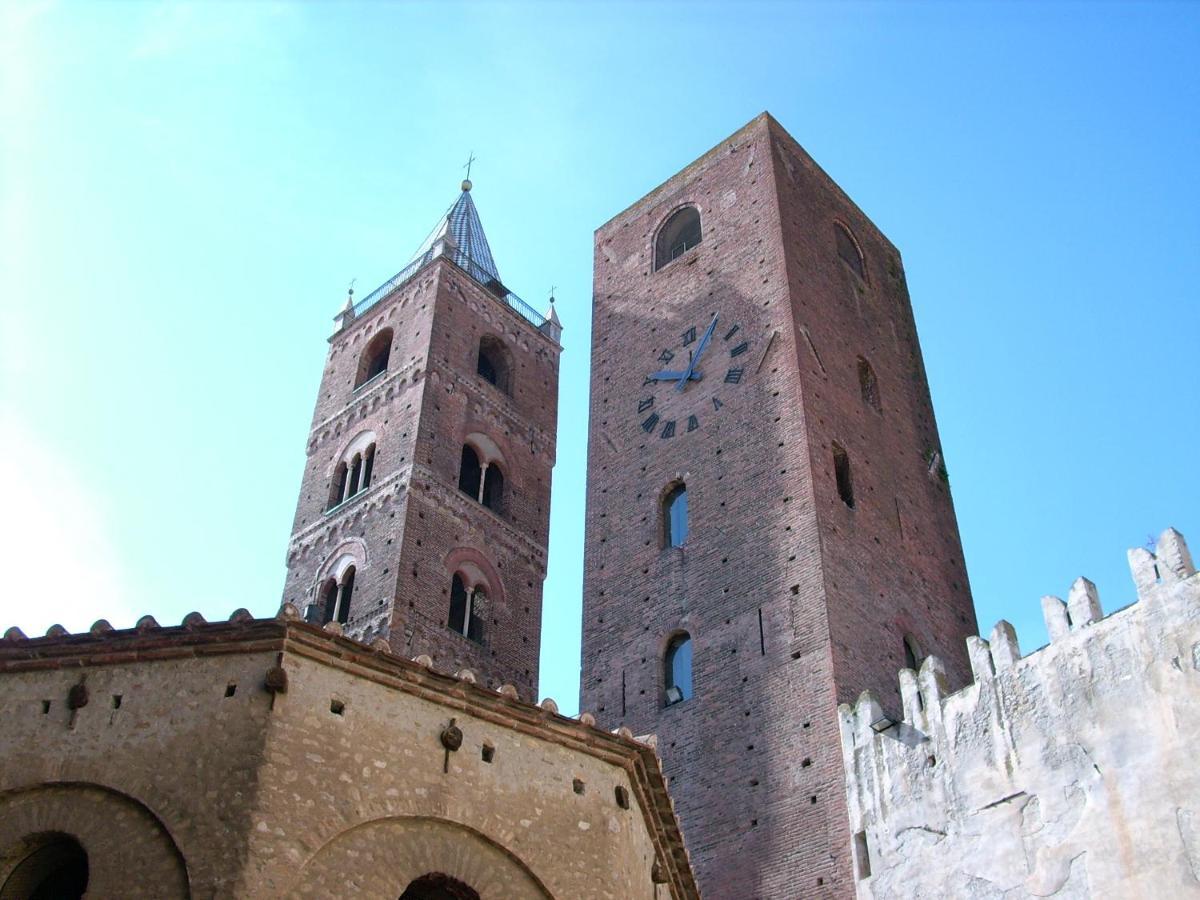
273,758
412,529
1067,773
794,600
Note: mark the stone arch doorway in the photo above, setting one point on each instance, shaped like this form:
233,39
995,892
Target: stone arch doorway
49,866
437,886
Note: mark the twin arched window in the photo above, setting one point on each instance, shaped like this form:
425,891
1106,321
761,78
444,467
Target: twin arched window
374,359
677,669
333,602
493,364
675,516
680,233
483,481
352,475
467,609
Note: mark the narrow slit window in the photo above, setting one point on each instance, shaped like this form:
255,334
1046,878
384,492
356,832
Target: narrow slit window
675,516
677,665
841,471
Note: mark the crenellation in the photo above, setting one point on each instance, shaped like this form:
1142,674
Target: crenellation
1063,773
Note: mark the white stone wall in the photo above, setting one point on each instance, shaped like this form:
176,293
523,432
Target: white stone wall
1073,772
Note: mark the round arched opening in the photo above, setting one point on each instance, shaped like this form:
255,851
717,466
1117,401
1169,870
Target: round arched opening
437,886
54,868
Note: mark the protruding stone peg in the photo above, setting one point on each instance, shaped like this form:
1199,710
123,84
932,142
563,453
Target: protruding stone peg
465,675
549,705
1083,603
288,611
101,626
381,645
425,661
509,691
1005,649
587,719
1054,611
334,628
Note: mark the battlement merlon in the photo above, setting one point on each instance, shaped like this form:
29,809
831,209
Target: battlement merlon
1099,720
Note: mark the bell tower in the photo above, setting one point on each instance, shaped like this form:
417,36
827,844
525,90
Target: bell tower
769,523
424,508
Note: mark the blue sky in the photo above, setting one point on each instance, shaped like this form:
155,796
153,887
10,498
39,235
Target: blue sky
186,189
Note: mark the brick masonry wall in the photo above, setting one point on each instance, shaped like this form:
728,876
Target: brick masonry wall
753,758
413,525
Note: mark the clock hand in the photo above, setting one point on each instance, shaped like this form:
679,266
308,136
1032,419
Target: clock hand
666,375
696,356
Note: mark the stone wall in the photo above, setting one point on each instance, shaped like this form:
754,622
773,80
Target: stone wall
272,758
1067,773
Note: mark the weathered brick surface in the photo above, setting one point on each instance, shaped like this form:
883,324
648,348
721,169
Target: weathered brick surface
754,758
407,530
338,786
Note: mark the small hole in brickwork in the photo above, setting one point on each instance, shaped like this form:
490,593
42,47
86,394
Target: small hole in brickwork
622,796
805,763
754,823
489,753
337,707
231,689
577,785
931,761
812,799
753,782
749,746
820,881
45,707
116,701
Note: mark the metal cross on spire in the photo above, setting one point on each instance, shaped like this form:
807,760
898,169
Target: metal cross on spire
470,159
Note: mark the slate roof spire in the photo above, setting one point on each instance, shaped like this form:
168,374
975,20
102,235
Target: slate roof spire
459,235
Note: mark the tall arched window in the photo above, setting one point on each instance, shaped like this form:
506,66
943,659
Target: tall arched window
470,473
677,668
352,474
493,487
466,609
333,600
492,364
56,868
374,359
868,385
912,653
482,481
841,473
675,516
678,234
437,886
847,249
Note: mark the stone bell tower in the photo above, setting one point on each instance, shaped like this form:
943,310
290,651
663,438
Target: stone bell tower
424,508
769,523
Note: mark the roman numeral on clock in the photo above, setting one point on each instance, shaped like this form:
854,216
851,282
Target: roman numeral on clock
644,405
740,349
717,404
732,331
668,429
693,422
689,336
651,421
734,376
665,357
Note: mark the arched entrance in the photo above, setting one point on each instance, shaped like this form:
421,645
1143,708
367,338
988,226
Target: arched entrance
437,886
54,867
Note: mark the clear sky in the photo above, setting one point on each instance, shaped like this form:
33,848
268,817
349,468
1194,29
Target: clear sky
186,189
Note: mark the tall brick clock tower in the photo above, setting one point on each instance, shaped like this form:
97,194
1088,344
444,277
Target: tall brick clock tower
425,502
770,529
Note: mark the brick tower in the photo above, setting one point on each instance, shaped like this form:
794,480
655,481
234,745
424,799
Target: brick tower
425,502
770,528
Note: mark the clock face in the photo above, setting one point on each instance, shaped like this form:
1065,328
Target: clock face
690,381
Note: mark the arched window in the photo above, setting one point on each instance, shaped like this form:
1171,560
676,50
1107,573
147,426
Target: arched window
352,474
678,234
841,472
55,868
374,359
493,487
868,386
493,364
677,668
470,473
912,653
333,600
466,609
847,248
437,886
675,516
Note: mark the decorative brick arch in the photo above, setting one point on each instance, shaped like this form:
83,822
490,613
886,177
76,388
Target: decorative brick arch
477,570
356,443
352,551
130,852
493,448
403,849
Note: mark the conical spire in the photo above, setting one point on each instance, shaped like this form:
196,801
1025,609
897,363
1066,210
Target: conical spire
459,235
